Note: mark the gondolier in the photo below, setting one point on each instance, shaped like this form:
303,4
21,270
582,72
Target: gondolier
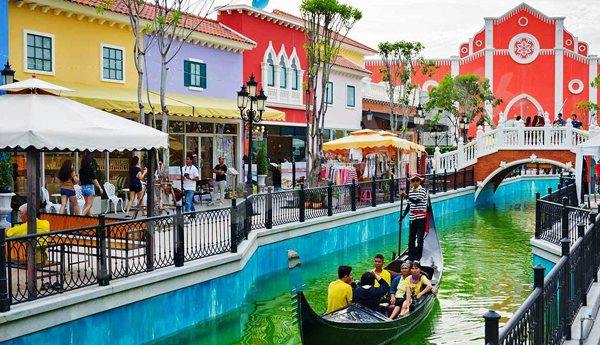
419,218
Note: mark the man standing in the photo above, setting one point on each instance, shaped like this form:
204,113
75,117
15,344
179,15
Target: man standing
576,124
417,206
339,293
220,182
190,176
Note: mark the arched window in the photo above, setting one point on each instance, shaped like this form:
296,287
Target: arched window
271,71
283,74
294,75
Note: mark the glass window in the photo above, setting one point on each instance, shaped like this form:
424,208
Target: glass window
273,130
175,126
350,96
338,133
52,164
283,74
175,150
19,174
298,146
286,130
227,128
118,165
329,93
294,75
225,147
194,74
300,131
271,71
112,63
39,53
326,135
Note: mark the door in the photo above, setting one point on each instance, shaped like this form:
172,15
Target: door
206,157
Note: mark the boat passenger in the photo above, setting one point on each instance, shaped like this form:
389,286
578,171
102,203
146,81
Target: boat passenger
378,261
414,287
419,218
398,289
367,294
339,293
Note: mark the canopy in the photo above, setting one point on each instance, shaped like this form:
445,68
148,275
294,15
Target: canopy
49,122
369,140
126,100
588,148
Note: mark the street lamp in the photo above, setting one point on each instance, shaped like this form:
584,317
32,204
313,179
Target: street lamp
251,116
464,125
419,120
437,135
8,75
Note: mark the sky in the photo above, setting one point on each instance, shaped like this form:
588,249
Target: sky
441,26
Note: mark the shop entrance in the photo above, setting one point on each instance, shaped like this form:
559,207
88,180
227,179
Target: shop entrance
202,146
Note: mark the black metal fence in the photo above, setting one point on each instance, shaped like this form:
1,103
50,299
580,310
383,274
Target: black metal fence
548,313
41,265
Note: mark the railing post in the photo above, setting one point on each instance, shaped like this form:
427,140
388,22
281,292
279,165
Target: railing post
537,167
269,220
455,179
549,190
373,193
179,226
433,182
4,298
302,194
353,196
465,178
568,134
436,157
595,246
582,264
445,180
103,275
293,172
566,284
537,216
547,134
520,135
565,218
480,144
492,331
329,199
233,225
460,153
538,282
247,212
392,186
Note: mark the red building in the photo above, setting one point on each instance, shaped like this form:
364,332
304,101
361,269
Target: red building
532,61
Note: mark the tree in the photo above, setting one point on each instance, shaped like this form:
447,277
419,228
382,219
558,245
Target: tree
586,108
135,8
326,25
401,64
464,95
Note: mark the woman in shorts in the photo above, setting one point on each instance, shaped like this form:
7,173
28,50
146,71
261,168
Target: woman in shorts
68,179
135,184
87,179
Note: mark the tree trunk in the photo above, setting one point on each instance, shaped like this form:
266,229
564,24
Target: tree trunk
163,107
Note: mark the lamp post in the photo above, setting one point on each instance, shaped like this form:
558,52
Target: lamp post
464,125
419,121
251,116
437,136
8,75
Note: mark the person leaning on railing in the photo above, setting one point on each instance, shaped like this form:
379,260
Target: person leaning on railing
42,226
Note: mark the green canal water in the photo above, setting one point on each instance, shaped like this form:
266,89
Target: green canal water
487,264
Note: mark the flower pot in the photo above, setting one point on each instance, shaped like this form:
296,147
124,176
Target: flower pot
261,183
5,208
307,204
317,205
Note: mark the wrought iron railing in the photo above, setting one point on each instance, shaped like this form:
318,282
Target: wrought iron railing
548,313
41,265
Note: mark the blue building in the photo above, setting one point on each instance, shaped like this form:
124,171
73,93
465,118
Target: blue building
3,34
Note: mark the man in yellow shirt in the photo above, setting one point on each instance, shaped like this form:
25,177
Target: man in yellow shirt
339,293
385,275
21,230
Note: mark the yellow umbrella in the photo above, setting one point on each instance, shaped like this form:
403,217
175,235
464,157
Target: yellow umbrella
414,146
369,139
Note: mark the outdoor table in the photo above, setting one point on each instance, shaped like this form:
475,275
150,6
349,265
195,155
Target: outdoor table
126,190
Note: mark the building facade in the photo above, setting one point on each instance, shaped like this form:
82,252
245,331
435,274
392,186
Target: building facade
3,35
533,62
279,63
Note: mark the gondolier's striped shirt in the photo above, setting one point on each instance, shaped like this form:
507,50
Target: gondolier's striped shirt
418,202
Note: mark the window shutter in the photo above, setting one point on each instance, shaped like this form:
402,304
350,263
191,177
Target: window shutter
187,73
203,75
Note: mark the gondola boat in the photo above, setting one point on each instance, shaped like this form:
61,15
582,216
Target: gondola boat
357,324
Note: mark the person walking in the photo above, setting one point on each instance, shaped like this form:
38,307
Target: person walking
417,206
87,179
68,178
190,176
220,182
135,184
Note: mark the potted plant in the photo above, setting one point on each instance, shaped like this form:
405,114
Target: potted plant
228,193
6,193
262,166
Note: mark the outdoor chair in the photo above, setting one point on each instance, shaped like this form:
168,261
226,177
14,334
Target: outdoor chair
112,198
80,199
49,204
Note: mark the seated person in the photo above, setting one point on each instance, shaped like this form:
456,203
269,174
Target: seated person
414,287
385,275
339,293
398,289
367,294
21,230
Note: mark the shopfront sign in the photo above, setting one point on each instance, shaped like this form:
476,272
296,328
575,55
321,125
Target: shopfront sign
256,136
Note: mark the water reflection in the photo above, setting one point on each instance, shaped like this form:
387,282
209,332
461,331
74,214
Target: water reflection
487,264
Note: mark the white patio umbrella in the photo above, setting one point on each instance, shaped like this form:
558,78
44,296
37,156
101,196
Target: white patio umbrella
46,121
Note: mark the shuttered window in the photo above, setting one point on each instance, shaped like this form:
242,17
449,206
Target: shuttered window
194,74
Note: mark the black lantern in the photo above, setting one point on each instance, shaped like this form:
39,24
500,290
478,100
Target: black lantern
8,75
464,125
251,116
369,115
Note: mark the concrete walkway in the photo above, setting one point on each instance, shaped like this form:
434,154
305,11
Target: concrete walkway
591,328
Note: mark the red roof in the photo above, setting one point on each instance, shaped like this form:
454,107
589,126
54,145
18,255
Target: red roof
343,62
346,40
192,22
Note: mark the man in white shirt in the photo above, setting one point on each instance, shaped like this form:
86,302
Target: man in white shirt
190,176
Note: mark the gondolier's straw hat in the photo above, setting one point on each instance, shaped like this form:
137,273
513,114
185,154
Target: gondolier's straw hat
416,176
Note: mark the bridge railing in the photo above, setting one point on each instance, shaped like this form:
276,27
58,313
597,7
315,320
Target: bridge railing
512,138
547,315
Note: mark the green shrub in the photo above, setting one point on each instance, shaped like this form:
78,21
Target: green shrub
443,149
6,178
262,163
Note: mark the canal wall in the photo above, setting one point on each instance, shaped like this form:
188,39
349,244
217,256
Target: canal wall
150,306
